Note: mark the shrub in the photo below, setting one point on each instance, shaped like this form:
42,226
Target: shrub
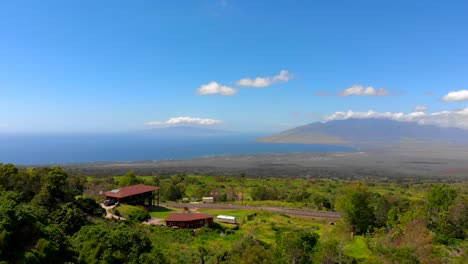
138,215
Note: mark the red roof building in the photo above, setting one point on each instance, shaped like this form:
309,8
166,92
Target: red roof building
189,220
134,194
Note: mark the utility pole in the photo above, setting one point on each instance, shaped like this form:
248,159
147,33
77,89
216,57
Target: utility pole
157,181
242,187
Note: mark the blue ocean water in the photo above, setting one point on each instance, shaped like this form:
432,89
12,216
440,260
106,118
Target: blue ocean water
59,149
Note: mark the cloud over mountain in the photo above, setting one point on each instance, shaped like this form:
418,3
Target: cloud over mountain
185,120
456,118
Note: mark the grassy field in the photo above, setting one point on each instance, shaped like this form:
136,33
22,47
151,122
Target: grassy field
241,215
125,210
263,224
357,248
162,212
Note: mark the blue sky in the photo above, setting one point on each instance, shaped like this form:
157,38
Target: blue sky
102,66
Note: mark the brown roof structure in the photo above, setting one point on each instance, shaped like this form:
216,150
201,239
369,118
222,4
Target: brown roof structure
183,217
130,191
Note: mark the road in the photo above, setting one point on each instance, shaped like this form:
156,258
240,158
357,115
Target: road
280,210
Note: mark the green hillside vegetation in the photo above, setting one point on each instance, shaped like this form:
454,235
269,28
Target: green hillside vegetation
132,213
48,216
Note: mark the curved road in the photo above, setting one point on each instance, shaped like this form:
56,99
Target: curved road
280,210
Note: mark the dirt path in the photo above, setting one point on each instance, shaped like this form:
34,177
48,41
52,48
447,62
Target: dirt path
109,214
155,221
280,210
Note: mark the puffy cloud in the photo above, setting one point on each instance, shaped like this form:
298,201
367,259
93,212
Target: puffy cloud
461,95
457,118
260,82
216,88
361,90
185,120
420,108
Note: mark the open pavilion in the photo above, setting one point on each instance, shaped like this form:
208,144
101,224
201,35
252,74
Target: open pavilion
139,194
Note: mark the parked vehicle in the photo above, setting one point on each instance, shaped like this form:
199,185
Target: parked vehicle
109,202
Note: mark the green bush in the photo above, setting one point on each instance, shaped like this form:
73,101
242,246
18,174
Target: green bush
138,215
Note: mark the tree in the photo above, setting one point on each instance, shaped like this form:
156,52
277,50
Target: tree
250,250
440,198
458,217
331,252
112,244
440,201
129,179
382,205
88,206
296,246
355,203
54,189
262,192
157,180
6,172
298,195
173,193
69,218
19,225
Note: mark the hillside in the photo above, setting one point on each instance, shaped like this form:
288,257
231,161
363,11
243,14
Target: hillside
371,132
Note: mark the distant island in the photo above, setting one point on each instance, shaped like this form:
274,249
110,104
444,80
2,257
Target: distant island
369,134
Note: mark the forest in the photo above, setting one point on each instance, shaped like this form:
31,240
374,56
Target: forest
50,216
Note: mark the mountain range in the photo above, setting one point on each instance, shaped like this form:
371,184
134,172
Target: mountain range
368,132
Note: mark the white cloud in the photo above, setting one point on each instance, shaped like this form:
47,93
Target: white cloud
420,108
456,118
260,82
216,88
185,120
361,90
461,95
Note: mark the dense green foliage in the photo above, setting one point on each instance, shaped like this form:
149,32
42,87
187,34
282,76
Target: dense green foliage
38,212
129,179
46,218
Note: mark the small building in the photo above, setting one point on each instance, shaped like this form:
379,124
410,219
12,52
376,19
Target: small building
139,194
189,220
208,200
227,219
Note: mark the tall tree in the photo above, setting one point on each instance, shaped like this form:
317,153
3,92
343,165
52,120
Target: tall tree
355,204
439,201
54,189
129,178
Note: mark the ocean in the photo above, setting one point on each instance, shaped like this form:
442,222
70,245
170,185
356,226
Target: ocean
46,149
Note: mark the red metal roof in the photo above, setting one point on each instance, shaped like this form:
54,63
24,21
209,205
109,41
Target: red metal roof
183,217
131,190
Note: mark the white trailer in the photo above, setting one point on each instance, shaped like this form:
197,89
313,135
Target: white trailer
208,200
227,219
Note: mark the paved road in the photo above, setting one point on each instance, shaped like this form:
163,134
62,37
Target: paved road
280,210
